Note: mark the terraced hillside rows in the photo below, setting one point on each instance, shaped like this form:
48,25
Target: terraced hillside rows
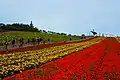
20,61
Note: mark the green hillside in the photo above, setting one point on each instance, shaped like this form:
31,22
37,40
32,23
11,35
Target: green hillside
29,35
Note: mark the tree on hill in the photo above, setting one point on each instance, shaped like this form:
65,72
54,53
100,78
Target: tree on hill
63,34
83,36
58,33
74,35
44,31
69,35
50,32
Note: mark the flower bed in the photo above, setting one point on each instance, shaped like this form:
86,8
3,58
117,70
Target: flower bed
20,61
118,39
98,62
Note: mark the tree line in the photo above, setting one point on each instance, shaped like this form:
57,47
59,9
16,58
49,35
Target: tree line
17,27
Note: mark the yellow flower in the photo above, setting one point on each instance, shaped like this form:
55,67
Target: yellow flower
20,71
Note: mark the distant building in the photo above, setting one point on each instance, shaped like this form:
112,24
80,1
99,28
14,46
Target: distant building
31,24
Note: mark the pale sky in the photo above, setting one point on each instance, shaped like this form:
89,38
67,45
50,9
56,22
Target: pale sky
70,16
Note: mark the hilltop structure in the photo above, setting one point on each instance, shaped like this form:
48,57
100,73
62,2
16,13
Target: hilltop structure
31,24
94,33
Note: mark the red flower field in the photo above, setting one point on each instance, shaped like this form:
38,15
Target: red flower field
98,62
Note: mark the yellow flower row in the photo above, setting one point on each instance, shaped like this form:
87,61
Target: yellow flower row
118,39
19,61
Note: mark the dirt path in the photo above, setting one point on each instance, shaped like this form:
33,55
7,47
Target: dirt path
98,62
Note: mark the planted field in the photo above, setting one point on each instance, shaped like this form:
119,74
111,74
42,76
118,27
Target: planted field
64,40
20,61
96,59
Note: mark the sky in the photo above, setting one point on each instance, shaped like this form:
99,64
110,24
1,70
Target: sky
70,16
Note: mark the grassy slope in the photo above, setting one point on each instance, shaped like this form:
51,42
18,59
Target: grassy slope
53,37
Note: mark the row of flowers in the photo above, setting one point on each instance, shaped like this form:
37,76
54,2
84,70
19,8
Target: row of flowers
20,61
118,39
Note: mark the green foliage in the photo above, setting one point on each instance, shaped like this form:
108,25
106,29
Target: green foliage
17,27
26,32
29,35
